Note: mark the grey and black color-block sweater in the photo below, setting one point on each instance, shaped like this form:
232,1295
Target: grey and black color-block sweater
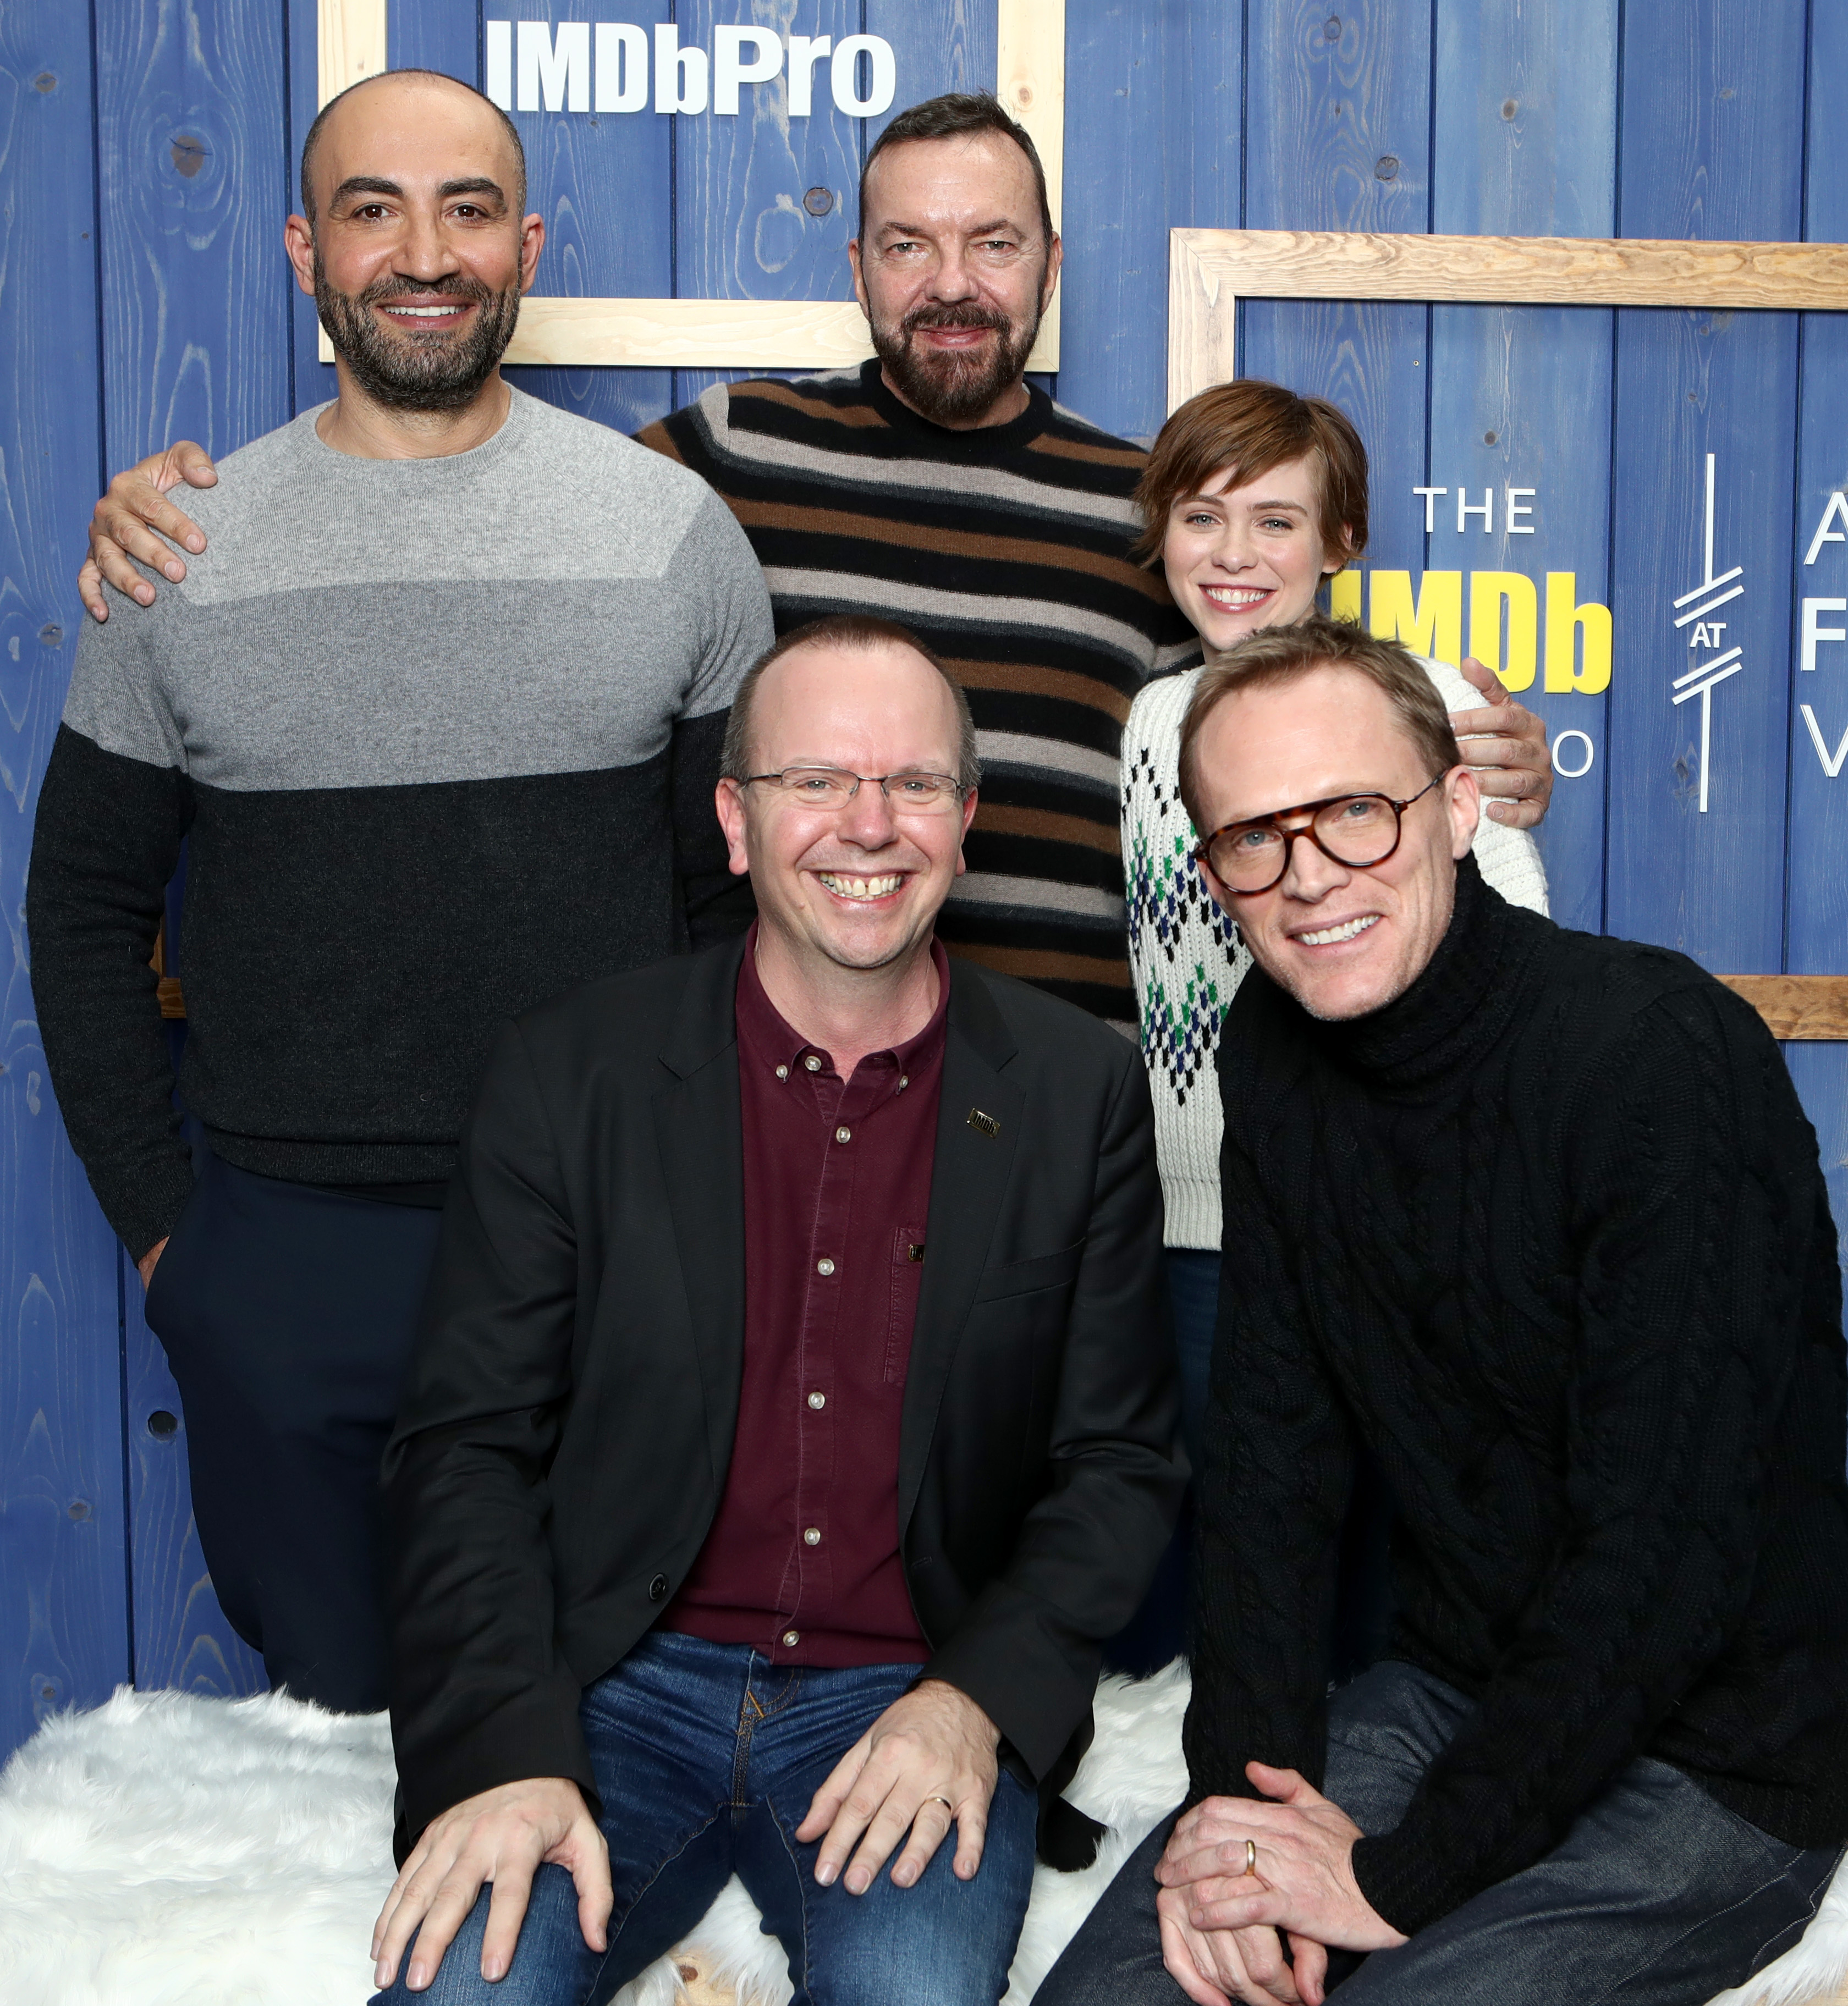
1549,1234
440,736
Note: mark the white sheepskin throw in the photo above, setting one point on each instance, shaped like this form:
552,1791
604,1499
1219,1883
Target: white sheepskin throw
166,1850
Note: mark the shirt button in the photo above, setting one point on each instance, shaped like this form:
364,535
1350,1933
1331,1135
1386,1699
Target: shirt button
792,1638
783,1072
824,1266
818,1401
813,1537
843,1135
812,1063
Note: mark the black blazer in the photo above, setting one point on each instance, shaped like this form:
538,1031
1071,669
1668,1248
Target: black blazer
563,1442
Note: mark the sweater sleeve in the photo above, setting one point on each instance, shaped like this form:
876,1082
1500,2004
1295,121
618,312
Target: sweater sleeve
1692,1173
716,562
111,815
1509,859
1273,1493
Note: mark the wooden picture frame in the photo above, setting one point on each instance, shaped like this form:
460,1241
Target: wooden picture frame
1210,271
738,334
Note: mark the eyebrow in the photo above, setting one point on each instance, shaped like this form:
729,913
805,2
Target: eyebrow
375,184
1296,508
980,230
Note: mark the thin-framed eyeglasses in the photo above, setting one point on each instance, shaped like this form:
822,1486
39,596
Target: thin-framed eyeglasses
830,788
1357,830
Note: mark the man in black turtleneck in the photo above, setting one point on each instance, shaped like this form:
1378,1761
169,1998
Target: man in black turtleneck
1534,1217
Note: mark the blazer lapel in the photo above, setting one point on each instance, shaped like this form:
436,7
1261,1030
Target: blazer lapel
699,1135
969,1178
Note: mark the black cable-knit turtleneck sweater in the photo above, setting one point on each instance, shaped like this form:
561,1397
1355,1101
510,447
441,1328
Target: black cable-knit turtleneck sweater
1548,1234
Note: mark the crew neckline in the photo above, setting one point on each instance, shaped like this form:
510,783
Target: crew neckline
982,442
472,460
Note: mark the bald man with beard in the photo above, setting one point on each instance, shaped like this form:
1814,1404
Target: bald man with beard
439,715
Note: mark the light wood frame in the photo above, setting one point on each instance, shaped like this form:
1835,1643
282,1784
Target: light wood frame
739,334
1210,271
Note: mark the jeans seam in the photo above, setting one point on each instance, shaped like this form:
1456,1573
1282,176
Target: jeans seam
1752,1894
806,1988
661,1866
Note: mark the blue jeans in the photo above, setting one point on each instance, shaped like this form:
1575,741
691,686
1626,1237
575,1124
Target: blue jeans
705,1758
1657,1895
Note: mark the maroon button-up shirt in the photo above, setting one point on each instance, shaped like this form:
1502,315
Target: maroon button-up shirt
802,1561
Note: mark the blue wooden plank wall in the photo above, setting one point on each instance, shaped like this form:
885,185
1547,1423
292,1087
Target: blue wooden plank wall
148,149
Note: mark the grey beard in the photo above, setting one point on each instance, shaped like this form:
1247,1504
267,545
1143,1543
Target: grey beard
951,389
416,373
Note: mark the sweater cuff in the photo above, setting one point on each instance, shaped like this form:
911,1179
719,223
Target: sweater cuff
144,1209
1402,1884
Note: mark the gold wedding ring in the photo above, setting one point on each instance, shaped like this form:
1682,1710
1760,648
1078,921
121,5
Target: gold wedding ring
944,1801
1251,1859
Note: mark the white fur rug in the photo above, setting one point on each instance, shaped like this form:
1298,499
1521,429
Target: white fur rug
165,1850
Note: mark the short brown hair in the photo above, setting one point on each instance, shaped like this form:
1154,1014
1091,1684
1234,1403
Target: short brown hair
1254,426
1276,656
954,115
856,633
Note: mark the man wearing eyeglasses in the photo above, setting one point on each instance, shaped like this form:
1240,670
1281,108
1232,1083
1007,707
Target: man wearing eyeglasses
1534,1218
790,1420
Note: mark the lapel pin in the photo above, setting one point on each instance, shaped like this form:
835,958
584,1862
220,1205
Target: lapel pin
983,1124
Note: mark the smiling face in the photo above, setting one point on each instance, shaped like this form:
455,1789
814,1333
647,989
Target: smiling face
1344,940
953,270
1242,555
857,888
418,254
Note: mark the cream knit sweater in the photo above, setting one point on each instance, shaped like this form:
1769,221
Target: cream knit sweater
1185,957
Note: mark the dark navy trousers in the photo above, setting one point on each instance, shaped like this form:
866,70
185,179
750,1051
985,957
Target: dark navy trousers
287,1316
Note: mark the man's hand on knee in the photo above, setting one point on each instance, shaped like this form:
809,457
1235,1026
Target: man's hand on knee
504,1835
926,1762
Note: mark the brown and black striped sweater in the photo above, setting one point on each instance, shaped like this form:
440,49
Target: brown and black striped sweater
1007,550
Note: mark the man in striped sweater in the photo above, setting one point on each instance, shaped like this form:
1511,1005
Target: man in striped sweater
934,484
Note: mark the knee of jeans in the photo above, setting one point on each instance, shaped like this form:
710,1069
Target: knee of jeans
533,1979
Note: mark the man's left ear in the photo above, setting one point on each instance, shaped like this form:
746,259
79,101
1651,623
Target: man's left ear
728,800
1464,799
532,241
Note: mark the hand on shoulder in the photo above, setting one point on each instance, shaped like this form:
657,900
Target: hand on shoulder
135,520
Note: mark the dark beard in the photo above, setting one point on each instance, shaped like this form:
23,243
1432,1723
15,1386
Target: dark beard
414,371
952,389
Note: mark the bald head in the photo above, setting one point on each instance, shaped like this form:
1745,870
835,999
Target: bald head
411,103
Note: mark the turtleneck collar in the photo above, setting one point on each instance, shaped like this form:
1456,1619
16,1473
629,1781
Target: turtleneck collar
1455,1009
